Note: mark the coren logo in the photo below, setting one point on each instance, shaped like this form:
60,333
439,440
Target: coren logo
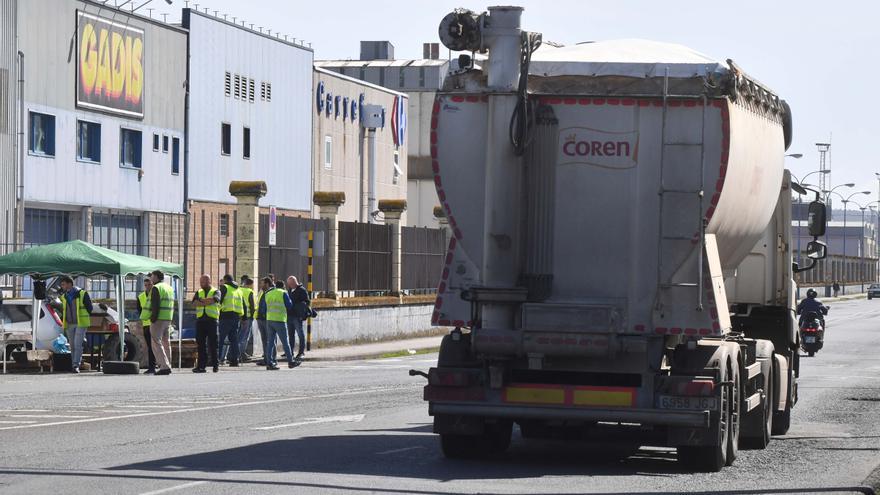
582,145
111,66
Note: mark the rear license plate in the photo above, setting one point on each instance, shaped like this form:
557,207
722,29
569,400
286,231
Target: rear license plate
810,340
688,403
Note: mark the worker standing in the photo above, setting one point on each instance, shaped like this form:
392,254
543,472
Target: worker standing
231,311
144,310
247,319
161,314
207,303
301,310
275,306
76,309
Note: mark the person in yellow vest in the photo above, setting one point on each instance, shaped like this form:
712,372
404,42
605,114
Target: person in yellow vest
275,305
231,311
260,316
161,314
144,309
207,303
76,309
247,319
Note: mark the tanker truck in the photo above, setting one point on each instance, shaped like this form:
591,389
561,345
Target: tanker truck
620,256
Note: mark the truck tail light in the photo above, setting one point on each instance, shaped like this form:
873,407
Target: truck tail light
811,329
113,327
696,388
449,377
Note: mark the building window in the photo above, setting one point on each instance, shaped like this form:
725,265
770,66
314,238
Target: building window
401,77
130,148
422,77
246,143
164,144
155,142
227,84
224,224
222,264
42,134
225,139
397,172
175,156
328,152
88,141
251,92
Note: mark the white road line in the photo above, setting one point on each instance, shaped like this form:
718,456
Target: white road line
209,408
22,410
314,421
175,488
15,422
46,416
395,451
150,406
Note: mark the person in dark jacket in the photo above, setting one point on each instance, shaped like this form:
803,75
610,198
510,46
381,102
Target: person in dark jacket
299,296
811,304
247,319
231,311
75,318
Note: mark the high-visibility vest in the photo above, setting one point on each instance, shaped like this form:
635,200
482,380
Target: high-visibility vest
146,308
232,301
166,302
257,314
83,318
276,310
246,294
213,309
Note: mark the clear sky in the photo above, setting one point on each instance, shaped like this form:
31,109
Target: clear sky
820,56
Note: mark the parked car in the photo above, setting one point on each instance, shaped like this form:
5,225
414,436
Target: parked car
15,317
874,291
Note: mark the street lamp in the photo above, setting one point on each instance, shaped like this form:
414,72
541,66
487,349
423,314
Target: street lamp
845,201
862,247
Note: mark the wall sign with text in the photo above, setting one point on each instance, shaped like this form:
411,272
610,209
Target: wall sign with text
110,66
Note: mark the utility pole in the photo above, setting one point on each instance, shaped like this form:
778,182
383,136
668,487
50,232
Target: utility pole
824,179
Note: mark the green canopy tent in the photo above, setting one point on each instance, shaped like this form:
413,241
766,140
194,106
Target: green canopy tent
79,258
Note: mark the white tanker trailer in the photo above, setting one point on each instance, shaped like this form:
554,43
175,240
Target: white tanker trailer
621,245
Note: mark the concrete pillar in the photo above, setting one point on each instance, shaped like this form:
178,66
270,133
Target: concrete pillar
247,229
392,209
328,204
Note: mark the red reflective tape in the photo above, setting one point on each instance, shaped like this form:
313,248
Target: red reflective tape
569,101
613,101
675,331
598,101
674,103
628,102
433,137
458,99
442,287
584,101
705,331
472,99
690,103
640,328
661,330
554,101
690,331
715,198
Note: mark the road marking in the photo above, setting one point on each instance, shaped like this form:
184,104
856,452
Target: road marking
23,410
15,422
209,408
150,406
46,416
356,418
395,451
175,488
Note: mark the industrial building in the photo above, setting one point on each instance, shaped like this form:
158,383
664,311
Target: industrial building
103,110
341,143
420,79
11,136
249,119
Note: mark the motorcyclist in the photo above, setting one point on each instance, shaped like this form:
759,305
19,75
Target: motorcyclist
811,304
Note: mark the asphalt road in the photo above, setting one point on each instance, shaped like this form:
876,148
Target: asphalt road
361,427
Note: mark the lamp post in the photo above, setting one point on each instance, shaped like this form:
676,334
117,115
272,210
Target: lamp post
863,238
845,201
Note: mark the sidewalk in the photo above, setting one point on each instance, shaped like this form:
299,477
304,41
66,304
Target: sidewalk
379,349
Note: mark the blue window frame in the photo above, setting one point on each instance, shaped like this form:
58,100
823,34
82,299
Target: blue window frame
88,141
42,134
130,144
175,156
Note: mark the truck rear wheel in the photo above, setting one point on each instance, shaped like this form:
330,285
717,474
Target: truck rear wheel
712,458
782,419
494,440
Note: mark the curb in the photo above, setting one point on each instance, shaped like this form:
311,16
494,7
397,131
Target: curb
372,355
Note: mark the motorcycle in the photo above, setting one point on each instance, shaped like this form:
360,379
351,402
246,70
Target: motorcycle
812,332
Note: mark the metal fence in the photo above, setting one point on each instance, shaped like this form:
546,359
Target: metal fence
286,258
423,250
364,257
211,249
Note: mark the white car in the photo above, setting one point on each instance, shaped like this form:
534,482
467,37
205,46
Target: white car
15,318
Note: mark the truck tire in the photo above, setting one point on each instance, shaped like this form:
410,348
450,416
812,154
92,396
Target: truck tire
759,438
494,440
735,403
782,419
711,458
135,349
455,351
120,367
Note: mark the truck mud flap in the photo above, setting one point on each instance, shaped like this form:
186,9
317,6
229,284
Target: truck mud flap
692,419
